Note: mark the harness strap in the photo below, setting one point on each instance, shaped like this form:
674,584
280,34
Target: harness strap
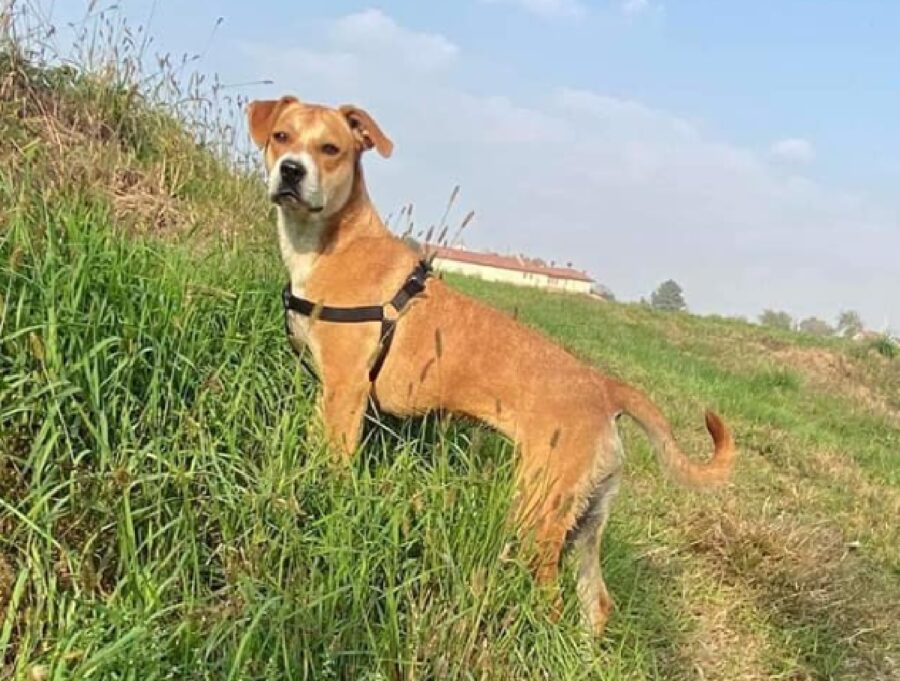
346,315
413,286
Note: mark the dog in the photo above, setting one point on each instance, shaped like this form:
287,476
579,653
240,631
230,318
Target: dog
447,351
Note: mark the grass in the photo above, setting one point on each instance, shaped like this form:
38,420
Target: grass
163,507
167,509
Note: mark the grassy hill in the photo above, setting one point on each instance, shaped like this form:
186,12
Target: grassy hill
168,511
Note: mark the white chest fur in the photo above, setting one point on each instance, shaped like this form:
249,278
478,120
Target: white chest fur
299,244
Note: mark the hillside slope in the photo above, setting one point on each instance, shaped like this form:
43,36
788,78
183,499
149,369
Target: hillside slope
167,509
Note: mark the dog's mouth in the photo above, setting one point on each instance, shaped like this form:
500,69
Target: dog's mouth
288,196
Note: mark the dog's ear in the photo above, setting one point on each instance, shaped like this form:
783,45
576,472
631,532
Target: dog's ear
261,116
366,130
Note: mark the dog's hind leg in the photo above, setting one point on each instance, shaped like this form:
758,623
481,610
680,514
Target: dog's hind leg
585,538
549,538
557,492
546,512
543,514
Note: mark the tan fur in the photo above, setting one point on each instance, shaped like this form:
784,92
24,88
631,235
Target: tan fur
456,354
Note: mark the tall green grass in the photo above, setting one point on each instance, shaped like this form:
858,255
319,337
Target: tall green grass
167,511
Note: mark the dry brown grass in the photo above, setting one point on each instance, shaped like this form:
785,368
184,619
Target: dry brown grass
71,154
165,156
800,553
839,373
845,369
793,563
726,643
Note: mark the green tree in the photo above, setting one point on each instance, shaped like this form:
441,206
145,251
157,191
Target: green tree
815,326
849,323
603,292
776,319
668,296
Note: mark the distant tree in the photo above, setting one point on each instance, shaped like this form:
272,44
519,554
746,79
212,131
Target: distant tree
849,323
603,292
815,326
668,296
776,319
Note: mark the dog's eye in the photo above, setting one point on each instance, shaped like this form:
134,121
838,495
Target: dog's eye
280,137
330,150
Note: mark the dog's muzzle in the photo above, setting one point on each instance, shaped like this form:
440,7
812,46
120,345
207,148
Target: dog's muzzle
291,174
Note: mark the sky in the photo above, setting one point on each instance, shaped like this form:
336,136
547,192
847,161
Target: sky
748,150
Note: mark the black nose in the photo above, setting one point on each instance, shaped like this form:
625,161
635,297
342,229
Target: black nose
292,172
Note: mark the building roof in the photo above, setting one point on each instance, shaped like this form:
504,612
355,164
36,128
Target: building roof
507,262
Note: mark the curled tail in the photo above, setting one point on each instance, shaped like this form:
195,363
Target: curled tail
685,471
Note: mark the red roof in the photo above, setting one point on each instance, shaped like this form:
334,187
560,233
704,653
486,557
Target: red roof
506,262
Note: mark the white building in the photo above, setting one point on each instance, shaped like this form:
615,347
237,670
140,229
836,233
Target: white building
509,269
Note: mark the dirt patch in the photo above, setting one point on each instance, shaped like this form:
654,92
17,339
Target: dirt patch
7,580
13,483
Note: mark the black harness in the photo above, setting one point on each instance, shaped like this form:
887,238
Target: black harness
413,286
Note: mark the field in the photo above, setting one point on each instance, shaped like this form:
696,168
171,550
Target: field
167,510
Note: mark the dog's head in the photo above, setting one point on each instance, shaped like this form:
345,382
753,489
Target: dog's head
312,152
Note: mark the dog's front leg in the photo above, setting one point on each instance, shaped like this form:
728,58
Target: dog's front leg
342,407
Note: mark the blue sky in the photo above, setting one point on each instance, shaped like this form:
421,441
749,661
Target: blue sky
747,149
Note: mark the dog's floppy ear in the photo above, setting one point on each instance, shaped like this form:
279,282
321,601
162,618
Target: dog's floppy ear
366,130
261,115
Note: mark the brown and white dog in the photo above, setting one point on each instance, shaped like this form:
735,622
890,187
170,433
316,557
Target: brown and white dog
450,352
